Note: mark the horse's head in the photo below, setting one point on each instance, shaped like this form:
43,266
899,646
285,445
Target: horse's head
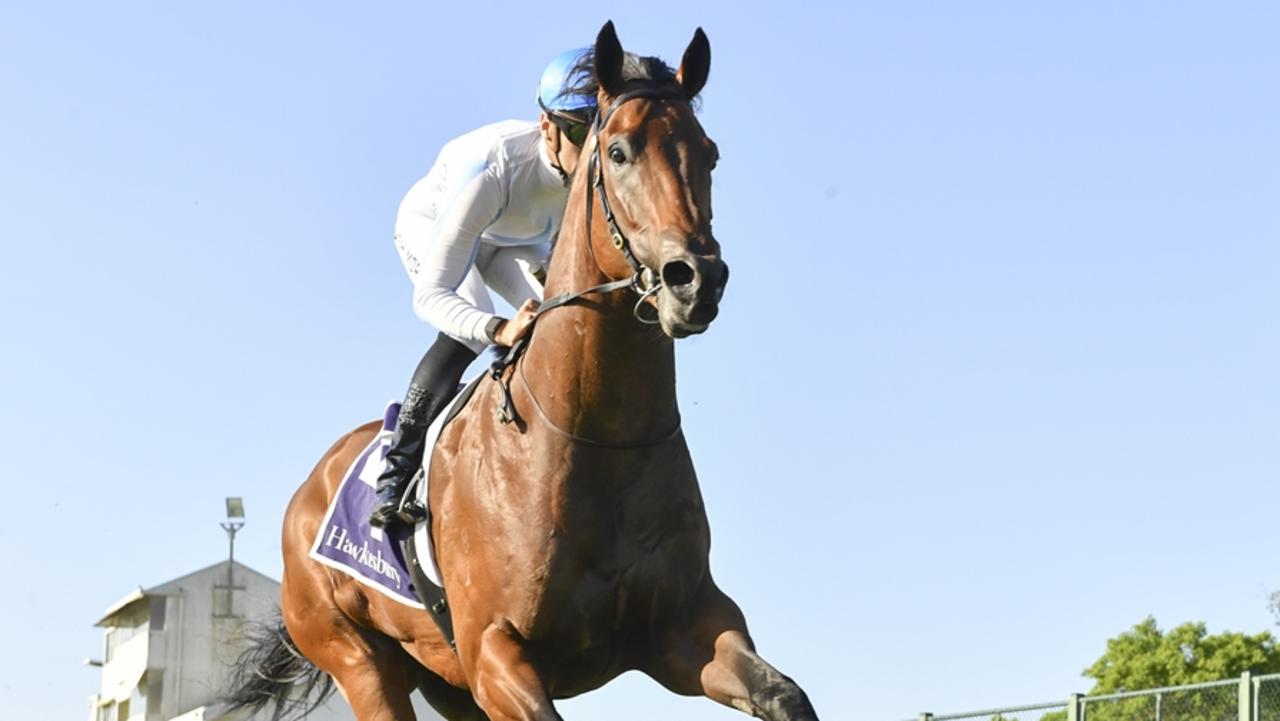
652,166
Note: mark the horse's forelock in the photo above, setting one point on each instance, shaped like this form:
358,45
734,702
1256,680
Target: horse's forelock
644,70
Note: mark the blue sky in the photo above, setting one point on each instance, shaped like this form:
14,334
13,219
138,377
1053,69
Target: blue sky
996,376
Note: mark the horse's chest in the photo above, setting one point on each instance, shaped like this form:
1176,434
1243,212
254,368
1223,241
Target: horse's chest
627,564
609,615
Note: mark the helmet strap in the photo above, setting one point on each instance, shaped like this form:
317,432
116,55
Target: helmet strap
555,157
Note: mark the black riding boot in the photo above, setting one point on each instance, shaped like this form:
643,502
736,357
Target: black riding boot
404,458
434,384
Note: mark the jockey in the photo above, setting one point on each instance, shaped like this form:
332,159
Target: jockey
484,217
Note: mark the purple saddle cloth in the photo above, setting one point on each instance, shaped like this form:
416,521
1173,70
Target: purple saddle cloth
348,543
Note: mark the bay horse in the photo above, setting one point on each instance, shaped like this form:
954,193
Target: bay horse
573,542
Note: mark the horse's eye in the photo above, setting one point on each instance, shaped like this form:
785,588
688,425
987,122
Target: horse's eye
617,156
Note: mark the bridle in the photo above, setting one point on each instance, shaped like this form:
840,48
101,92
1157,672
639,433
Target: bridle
644,281
595,165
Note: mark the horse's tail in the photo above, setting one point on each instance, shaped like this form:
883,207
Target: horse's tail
272,671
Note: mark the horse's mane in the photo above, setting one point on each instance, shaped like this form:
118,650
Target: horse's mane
643,71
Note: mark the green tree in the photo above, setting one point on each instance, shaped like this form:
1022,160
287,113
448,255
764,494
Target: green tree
1146,657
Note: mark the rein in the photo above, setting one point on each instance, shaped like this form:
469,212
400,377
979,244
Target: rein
643,281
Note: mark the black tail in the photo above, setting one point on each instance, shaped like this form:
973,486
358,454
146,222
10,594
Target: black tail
272,671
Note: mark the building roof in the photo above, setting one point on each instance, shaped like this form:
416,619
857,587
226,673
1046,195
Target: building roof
135,595
169,588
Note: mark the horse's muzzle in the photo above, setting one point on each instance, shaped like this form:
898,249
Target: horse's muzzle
694,285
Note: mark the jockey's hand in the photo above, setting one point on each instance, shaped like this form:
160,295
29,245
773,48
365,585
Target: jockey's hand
516,328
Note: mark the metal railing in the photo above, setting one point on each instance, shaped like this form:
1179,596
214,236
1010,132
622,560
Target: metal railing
1248,698
1049,711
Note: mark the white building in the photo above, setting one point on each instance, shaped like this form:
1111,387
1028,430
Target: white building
169,649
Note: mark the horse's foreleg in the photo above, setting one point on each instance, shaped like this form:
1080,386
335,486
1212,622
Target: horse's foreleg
505,683
714,656
454,704
737,677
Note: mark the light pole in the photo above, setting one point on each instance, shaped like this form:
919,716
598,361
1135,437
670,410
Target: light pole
234,522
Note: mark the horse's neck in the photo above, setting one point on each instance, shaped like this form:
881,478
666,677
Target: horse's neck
598,371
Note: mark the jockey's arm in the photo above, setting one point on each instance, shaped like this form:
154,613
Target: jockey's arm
443,233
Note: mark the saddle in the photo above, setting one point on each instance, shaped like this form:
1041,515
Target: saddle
398,562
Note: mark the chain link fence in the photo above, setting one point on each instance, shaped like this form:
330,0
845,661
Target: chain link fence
1248,698
1267,698
1218,701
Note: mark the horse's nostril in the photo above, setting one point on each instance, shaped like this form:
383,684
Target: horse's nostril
678,273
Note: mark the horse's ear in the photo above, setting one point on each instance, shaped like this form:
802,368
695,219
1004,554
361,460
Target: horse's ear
695,65
608,57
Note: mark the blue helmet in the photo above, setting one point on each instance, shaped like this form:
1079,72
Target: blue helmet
556,78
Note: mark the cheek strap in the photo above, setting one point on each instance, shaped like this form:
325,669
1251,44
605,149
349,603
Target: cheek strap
595,171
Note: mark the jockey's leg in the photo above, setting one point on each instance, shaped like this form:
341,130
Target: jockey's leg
434,384
712,655
504,681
